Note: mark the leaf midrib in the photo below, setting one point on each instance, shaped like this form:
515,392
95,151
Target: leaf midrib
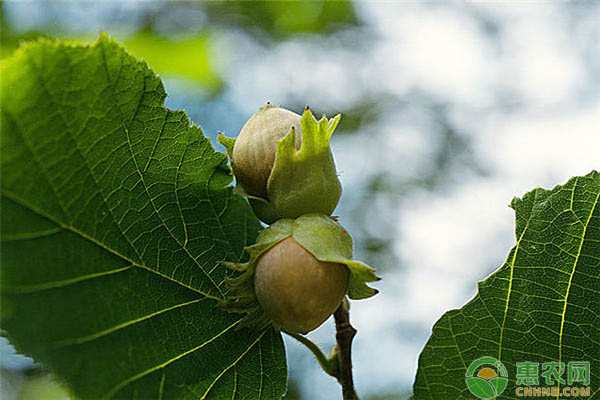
575,263
509,290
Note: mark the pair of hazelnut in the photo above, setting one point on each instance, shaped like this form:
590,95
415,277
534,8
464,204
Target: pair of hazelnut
301,266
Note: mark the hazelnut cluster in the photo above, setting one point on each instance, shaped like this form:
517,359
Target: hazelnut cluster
301,266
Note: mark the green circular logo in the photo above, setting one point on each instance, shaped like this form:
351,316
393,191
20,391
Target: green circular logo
486,378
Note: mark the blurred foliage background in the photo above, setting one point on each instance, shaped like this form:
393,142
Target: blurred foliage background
448,110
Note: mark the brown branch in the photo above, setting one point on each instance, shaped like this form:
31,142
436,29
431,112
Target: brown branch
344,336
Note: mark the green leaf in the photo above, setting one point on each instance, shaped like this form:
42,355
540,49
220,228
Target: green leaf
542,305
116,214
280,20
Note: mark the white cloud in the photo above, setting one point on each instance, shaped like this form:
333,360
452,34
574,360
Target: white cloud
437,50
544,149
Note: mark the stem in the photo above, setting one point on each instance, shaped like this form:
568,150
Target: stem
329,365
344,336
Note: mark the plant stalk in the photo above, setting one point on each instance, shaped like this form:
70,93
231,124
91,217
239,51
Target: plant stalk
344,335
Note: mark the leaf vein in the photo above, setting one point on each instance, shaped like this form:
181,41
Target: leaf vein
93,336
170,361
62,283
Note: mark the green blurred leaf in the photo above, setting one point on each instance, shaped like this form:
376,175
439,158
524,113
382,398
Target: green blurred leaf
115,215
186,58
189,58
542,305
281,19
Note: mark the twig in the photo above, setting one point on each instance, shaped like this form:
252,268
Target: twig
344,336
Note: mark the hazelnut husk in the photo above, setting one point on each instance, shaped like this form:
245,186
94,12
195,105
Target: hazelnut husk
284,165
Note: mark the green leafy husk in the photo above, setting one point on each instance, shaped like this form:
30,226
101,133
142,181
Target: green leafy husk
319,234
302,181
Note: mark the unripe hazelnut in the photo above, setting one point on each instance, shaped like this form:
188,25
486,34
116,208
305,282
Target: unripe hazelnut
298,274
296,290
283,164
256,145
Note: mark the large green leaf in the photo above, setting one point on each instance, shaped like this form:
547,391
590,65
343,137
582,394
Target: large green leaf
542,305
116,213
